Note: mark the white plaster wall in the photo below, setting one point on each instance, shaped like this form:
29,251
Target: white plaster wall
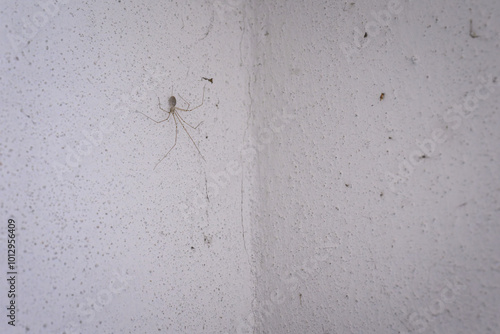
351,241
107,244
316,210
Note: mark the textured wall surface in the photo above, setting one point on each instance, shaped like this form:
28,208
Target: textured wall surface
350,183
378,215
106,244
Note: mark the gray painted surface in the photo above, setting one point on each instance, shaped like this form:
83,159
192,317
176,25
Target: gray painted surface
323,206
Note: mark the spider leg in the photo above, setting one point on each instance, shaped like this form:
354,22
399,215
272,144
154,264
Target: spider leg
182,119
154,119
159,105
175,143
177,114
185,101
202,100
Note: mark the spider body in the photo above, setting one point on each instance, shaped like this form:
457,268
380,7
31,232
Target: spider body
172,102
172,111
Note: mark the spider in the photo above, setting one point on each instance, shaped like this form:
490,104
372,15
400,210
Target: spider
172,111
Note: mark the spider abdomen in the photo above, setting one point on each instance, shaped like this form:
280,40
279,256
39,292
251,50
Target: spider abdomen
172,101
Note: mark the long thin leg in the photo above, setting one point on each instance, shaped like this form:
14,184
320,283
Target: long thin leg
159,105
193,127
202,100
175,143
177,114
154,119
185,101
